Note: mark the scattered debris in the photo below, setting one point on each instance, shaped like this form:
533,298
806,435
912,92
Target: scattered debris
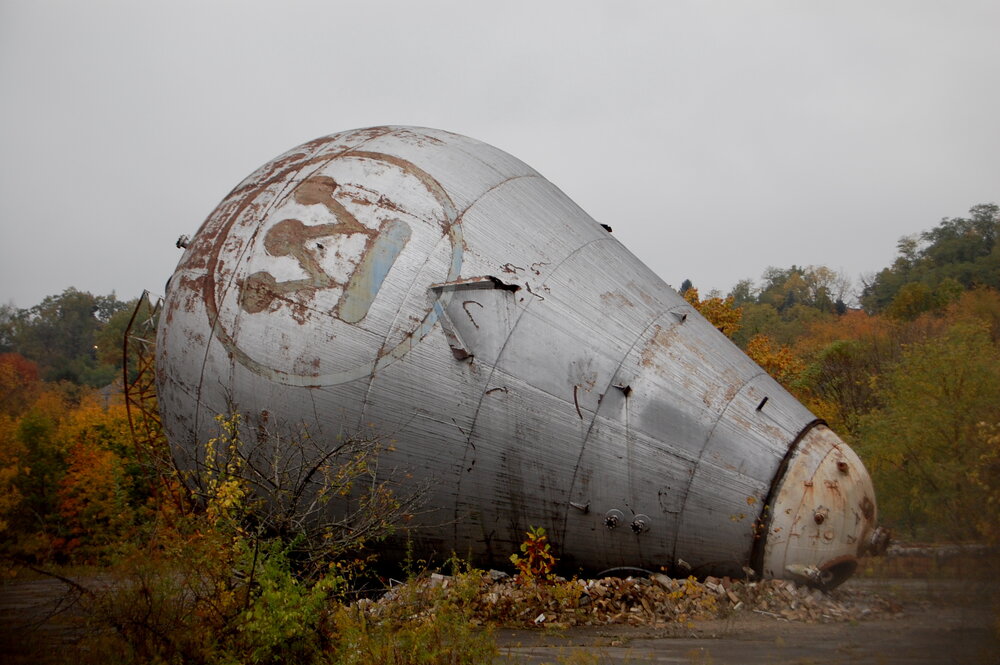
656,600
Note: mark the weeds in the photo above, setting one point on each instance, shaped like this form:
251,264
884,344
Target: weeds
256,575
538,562
424,623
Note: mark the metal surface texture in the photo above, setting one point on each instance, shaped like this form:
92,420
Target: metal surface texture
519,357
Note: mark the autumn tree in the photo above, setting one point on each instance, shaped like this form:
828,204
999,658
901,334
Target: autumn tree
19,383
12,453
985,477
758,319
40,463
103,489
922,443
915,298
980,304
778,360
844,357
720,312
61,335
787,301
744,293
19,387
963,250
817,287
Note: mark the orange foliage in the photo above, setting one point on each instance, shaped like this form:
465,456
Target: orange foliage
12,453
93,499
982,304
986,476
18,383
537,563
720,312
855,324
51,404
777,360
91,423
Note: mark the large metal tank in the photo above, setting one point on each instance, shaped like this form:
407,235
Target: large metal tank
518,355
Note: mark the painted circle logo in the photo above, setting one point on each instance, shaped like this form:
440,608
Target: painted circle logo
321,273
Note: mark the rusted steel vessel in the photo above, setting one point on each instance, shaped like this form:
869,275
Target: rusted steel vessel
518,355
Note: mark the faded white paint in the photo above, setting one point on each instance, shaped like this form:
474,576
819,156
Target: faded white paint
518,355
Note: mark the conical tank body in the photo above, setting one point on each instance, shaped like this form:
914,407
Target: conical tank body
526,366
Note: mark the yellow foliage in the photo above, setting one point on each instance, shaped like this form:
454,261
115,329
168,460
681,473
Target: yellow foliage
226,488
873,330
11,453
927,441
720,312
777,360
93,499
92,424
18,383
986,476
51,404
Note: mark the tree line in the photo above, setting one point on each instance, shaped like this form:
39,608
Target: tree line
909,375
74,336
906,369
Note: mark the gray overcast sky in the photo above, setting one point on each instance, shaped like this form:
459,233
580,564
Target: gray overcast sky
717,138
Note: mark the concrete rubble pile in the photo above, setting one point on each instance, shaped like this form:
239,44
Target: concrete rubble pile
643,601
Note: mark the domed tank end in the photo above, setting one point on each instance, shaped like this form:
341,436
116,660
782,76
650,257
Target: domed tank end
823,515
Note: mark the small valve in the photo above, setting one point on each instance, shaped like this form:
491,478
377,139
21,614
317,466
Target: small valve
613,518
640,524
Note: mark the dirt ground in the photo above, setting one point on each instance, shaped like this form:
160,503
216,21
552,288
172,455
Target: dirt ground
942,621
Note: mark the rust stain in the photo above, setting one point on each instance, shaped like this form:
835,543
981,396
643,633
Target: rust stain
868,508
238,210
643,295
742,422
419,140
290,237
709,396
190,286
615,298
537,267
320,190
307,366
266,173
432,185
660,341
528,288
